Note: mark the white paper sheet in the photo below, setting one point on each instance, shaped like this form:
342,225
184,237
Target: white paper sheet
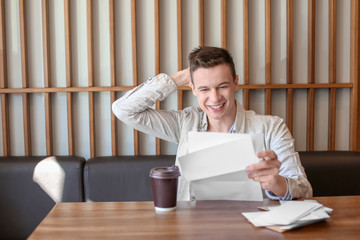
289,215
215,166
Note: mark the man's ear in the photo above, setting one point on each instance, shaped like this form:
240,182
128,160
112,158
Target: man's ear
236,82
192,87
236,79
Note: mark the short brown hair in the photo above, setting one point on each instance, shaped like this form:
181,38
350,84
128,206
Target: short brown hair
207,57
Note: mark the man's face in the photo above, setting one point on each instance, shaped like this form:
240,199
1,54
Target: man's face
215,91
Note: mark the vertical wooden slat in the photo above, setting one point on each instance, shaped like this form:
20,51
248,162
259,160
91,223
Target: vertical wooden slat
3,83
179,46
246,95
311,75
25,84
201,22
70,122
46,42
332,74
289,64
112,43
48,124
27,126
223,24
47,76
157,59
180,99
179,34
134,64
70,119
90,51
5,124
268,56
112,76
354,76
3,70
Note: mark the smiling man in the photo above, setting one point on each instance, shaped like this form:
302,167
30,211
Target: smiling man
213,80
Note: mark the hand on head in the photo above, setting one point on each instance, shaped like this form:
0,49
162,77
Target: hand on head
182,78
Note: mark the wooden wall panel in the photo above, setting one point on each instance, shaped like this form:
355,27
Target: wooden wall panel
355,76
225,20
3,83
70,117
134,64
25,83
332,74
47,76
289,64
268,56
311,75
114,140
90,54
223,24
246,93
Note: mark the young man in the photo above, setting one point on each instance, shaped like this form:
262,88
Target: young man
213,81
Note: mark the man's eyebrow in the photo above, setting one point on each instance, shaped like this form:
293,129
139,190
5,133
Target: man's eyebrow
202,87
224,83
220,84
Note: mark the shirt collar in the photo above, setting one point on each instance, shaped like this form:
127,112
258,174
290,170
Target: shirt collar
237,127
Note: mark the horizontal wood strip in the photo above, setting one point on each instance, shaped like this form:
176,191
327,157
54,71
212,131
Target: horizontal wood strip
127,88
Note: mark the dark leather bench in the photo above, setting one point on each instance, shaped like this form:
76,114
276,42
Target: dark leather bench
24,202
332,173
121,178
126,178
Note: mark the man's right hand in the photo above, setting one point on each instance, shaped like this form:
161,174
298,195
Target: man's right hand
182,78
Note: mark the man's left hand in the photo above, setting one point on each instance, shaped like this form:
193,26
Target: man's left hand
267,173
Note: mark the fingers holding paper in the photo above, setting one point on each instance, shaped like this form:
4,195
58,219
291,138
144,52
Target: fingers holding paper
267,173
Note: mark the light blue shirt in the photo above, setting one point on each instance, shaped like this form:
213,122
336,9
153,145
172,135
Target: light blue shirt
134,109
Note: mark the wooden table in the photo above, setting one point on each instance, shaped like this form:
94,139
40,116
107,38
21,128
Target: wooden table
191,220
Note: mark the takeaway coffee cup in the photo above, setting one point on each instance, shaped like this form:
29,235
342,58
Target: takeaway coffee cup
164,182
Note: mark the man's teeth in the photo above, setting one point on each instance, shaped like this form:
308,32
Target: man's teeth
216,107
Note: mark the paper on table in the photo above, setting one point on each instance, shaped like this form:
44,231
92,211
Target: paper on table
215,166
289,215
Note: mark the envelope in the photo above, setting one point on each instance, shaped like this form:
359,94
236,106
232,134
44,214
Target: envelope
215,166
289,215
